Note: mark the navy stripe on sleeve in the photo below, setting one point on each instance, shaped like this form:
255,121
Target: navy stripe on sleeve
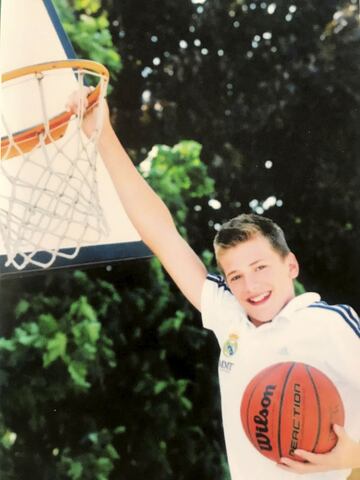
219,280
346,312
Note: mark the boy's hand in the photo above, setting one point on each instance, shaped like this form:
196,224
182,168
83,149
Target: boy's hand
345,454
78,103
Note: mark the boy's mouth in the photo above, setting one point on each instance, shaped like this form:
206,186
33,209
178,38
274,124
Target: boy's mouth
259,299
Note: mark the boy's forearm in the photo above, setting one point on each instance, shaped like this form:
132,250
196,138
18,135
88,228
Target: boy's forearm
144,207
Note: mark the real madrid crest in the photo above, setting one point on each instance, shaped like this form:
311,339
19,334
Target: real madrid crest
231,345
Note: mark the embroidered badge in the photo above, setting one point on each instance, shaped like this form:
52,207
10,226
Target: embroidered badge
231,345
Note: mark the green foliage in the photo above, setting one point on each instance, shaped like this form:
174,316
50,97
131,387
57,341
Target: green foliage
299,288
179,175
57,353
70,414
94,465
88,29
71,340
90,6
271,90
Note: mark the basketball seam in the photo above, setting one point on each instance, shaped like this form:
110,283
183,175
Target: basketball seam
318,408
249,433
280,407
265,373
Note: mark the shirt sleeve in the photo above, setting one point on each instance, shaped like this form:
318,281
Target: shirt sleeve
337,340
346,335
219,307
335,333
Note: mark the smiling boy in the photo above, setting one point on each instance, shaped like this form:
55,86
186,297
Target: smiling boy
255,309
258,266
253,312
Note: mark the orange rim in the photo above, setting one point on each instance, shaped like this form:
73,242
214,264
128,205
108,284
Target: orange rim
28,139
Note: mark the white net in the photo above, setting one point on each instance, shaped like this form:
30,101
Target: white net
49,203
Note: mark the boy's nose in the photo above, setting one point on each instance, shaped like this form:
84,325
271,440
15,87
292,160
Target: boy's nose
251,285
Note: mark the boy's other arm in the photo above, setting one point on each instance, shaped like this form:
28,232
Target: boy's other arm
151,217
345,455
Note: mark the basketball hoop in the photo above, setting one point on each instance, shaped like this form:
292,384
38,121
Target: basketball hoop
23,142
49,198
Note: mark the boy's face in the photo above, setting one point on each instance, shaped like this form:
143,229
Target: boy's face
259,277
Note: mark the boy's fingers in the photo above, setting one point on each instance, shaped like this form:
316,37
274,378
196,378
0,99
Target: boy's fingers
309,456
339,430
79,98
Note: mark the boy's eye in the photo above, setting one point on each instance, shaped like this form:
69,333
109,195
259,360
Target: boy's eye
260,267
235,277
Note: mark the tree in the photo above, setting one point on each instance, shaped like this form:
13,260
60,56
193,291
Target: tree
271,91
95,378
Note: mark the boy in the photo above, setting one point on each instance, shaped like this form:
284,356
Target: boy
254,314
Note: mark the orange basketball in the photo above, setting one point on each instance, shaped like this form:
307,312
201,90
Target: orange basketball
288,406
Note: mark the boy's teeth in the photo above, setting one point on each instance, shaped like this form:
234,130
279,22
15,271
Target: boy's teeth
259,297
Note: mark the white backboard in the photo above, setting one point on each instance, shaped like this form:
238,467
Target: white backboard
31,33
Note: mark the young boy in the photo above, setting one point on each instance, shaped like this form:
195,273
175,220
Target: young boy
253,312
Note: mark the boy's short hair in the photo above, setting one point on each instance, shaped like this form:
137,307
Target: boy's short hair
246,226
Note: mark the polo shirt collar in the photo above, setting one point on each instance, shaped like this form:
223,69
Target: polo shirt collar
299,302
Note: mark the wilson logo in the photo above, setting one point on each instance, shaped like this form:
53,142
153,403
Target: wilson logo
261,420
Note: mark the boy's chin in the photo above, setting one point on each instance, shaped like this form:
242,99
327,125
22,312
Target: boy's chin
259,321
259,317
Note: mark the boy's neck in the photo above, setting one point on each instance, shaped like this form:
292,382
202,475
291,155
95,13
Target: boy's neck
257,323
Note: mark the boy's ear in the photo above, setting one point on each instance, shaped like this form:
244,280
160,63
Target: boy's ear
293,266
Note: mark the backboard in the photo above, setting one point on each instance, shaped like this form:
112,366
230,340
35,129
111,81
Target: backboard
31,33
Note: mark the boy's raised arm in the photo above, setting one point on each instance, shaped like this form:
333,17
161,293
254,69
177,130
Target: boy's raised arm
148,213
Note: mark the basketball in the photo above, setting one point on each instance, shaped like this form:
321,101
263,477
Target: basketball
291,405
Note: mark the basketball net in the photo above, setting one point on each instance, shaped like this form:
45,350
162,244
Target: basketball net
49,194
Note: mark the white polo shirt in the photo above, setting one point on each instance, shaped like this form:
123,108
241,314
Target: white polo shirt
306,330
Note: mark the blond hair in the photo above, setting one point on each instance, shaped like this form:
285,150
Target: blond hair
246,226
